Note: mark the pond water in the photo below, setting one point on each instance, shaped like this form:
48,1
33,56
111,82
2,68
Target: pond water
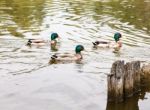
28,82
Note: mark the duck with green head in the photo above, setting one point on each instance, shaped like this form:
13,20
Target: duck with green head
40,42
53,42
116,45
67,57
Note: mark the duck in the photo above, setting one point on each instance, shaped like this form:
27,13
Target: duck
115,45
41,42
68,57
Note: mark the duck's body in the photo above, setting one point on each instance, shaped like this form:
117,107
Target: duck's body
41,42
36,42
115,45
68,57
102,44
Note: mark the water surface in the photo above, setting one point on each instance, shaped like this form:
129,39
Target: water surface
29,82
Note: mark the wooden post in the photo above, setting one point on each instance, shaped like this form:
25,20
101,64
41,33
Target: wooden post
132,78
128,80
145,71
136,76
145,74
123,81
115,82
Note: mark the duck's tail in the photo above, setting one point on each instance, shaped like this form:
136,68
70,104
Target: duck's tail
96,43
53,57
29,42
99,42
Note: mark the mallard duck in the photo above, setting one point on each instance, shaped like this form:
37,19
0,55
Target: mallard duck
40,42
67,57
116,45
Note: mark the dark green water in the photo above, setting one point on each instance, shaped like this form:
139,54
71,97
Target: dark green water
27,82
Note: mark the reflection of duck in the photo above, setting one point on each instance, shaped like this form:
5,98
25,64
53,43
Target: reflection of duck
68,57
40,42
116,45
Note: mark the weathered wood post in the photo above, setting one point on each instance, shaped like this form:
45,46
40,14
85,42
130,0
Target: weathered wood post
131,78
136,76
128,80
123,81
145,71
116,81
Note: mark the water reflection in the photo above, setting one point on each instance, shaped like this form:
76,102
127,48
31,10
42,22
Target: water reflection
130,104
77,21
18,16
133,102
133,12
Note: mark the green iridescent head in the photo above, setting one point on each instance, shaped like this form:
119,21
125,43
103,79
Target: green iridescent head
54,36
117,36
79,48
